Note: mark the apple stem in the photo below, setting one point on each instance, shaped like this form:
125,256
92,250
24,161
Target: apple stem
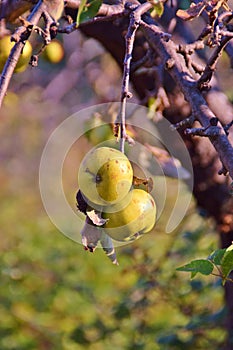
122,126
96,178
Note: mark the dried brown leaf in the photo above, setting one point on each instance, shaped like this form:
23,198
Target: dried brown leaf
170,165
108,247
90,236
96,218
81,203
192,12
148,183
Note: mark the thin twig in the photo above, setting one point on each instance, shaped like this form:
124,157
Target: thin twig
211,64
125,94
49,22
225,17
227,33
146,60
212,131
98,19
104,10
105,13
227,127
187,122
135,18
187,50
13,58
222,277
190,48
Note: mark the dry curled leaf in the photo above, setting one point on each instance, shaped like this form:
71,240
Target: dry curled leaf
130,140
171,166
192,12
90,235
130,133
96,217
108,247
81,203
148,183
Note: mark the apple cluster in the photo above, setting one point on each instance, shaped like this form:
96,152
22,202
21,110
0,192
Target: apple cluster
106,183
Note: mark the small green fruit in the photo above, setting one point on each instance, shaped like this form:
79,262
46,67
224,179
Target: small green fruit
132,217
97,131
5,49
105,176
54,52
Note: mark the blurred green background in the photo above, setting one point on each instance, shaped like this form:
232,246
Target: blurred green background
55,295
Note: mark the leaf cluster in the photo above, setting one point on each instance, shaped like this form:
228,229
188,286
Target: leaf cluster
220,260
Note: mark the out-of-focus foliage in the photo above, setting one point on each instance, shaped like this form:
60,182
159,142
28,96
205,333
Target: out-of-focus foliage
53,294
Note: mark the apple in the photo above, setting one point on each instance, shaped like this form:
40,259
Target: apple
54,52
132,217
5,49
97,131
105,176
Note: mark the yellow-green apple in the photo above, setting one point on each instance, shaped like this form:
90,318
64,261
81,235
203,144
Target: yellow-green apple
105,176
132,217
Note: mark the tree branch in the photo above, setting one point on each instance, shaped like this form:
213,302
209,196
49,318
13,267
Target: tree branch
177,69
13,58
105,9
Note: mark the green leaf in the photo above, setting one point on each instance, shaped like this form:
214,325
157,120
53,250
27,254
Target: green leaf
227,262
91,10
157,10
203,266
193,274
229,248
152,106
216,256
80,10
